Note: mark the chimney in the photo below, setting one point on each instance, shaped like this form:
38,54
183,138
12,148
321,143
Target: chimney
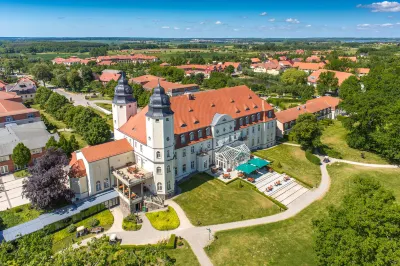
190,96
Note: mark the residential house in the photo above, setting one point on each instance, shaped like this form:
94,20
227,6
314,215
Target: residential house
271,67
144,79
313,59
195,69
109,74
255,60
12,111
350,58
33,135
172,89
325,107
314,77
237,67
25,87
361,72
309,67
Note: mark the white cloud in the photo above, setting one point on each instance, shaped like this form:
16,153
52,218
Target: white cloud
263,14
386,25
218,22
293,20
236,29
165,27
176,28
271,20
307,26
384,6
188,29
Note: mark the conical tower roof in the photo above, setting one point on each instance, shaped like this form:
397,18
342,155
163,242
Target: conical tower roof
160,105
123,92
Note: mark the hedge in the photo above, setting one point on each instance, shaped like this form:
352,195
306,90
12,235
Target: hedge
51,228
170,244
312,158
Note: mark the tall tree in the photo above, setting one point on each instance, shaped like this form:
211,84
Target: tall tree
98,131
42,95
55,102
327,82
21,155
294,77
307,131
42,71
87,74
74,143
65,145
74,80
47,186
52,143
362,230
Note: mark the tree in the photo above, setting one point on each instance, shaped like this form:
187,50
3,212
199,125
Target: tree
60,78
362,230
294,77
21,155
42,95
47,186
87,74
64,144
55,102
229,69
307,131
42,71
74,80
82,119
74,143
52,143
349,88
327,82
98,131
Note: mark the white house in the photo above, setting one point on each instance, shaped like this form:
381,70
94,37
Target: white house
168,140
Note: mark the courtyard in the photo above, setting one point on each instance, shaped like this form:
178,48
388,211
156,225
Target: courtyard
206,200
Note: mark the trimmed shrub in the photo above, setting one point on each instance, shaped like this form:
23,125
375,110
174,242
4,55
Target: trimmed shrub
94,222
312,158
171,244
71,228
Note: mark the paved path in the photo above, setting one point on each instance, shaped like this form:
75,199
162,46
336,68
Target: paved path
366,164
79,99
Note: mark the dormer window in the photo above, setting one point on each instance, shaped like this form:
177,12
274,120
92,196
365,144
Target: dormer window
191,136
183,140
258,116
247,119
241,121
253,118
270,114
200,133
208,131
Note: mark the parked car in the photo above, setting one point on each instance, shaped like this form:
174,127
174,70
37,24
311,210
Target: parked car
113,239
96,230
81,231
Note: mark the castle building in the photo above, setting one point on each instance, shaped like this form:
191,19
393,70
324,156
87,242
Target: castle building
168,140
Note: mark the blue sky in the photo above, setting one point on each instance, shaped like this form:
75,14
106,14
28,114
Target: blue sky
205,18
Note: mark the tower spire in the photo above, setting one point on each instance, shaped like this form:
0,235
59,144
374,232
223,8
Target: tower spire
123,92
160,104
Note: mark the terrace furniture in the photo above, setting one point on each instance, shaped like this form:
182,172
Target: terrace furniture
270,188
227,175
229,170
286,178
240,174
96,230
81,231
250,179
277,183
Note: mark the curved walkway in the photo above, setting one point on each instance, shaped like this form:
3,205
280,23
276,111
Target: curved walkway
200,237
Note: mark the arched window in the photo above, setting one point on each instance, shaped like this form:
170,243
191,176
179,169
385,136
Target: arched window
200,133
208,131
106,183
158,155
183,139
98,186
159,186
241,121
159,170
168,169
191,136
253,118
247,119
258,116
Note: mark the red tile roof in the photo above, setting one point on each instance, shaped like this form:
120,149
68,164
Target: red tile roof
311,106
198,112
107,76
168,86
341,76
144,79
109,149
78,168
308,66
313,58
8,108
362,70
271,64
255,60
351,58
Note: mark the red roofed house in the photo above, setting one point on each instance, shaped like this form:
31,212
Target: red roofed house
12,111
108,75
271,67
195,69
361,72
236,66
169,139
313,59
350,58
308,67
255,60
323,107
341,76
144,79
25,87
172,89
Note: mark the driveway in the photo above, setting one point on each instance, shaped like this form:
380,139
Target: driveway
11,192
79,99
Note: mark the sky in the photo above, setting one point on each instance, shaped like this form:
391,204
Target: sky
199,19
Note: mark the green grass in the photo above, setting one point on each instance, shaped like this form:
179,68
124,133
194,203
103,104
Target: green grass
63,238
294,162
334,136
21,173
82,143
207,201
129,223
107,106
164,220
183,254
290,242
108,118
57,123
18,215
100,98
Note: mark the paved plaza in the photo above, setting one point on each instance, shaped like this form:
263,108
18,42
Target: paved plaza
11,192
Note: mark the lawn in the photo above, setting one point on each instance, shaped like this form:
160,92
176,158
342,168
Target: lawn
130,223
294,162
108,118
67,134
183,254
207,201
52,120
63,238
21,173
164,220
18,215
334,136
106,106
290,242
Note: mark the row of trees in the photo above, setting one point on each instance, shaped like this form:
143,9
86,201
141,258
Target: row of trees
84,121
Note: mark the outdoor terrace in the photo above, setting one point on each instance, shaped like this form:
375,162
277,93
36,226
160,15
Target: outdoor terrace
131,175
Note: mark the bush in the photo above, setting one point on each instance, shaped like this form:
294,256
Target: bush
71,228
18,209
341,118
94,222
171,242
312,158
326,122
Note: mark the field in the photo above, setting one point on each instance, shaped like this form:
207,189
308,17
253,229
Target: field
51,56
206,201
293,162
334,136
18,215
290,242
